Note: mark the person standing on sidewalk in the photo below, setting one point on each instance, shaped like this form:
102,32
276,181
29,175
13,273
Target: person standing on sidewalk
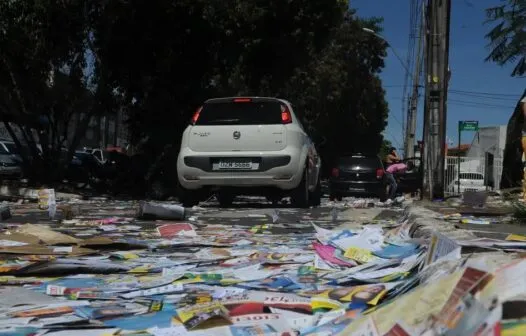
391,171
392,157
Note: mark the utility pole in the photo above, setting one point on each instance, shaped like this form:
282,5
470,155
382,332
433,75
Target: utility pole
413,101
437,76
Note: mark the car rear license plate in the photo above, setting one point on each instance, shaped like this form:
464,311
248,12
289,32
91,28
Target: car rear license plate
356,189
235,165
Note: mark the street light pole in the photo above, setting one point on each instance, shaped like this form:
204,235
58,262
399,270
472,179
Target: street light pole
372,32
407,72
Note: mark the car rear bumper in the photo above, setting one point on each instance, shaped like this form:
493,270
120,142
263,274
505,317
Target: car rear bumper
469,188
274,169
358,188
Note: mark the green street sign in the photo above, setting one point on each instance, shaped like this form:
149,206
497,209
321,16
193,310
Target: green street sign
468,125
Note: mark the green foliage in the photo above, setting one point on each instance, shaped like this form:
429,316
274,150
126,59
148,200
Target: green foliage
313,53
45,81
160,60
508,36
384,149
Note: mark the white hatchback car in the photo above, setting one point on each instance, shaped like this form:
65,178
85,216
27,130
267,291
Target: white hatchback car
248,146
469,181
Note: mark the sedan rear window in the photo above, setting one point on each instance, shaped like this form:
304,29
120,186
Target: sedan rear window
365,162
246,113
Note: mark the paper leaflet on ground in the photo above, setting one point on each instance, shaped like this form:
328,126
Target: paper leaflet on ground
336,325
227,279
170,230
367,294
414,308
440,247
204,316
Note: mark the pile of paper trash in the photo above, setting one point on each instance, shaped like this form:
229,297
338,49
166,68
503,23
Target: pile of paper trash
115,275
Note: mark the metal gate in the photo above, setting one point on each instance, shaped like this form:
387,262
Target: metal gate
491,172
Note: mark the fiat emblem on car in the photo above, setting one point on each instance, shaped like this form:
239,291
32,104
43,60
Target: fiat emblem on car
237,135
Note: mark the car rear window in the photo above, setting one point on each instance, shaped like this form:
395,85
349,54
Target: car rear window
230,113
365,162
471,176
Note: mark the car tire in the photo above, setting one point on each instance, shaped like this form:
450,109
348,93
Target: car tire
157,191
274,199
188,198
315,196
300,195
335,197
225,199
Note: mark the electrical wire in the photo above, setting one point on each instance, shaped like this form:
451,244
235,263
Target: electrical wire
479,96
477,105
395,140
484,93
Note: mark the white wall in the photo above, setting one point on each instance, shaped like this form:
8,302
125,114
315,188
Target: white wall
488,140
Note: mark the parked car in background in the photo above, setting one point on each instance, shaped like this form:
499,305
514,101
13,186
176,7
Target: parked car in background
9,167
469,181
9,147
358,175
248,145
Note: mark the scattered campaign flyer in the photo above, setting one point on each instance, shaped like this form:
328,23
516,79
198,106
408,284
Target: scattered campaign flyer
105,272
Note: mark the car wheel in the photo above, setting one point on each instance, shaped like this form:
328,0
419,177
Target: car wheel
300,195
188,198
225,199
157,191
335,197
315,196
274,199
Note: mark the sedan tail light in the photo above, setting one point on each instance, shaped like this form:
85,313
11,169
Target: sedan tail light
335,172
379,173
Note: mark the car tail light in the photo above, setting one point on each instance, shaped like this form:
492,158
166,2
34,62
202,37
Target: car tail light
286,117
335,172
196,115
242,100
379,173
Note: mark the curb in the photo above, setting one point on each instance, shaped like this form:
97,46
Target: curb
425,222
32,194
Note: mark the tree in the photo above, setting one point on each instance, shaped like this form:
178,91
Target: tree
65,62
508,37
213,49
48,90
385,148
340,94
512,169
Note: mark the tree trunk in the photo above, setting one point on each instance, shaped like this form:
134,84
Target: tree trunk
512,170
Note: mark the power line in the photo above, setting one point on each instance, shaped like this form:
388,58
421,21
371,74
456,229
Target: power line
394,139
473,103
477,105
485,93
465,92
473,95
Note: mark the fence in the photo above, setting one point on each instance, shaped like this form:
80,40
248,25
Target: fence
471,168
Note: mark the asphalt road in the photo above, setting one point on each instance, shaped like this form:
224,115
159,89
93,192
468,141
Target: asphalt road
248,212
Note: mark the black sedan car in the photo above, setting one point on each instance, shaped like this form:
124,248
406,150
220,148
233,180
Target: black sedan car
358,175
